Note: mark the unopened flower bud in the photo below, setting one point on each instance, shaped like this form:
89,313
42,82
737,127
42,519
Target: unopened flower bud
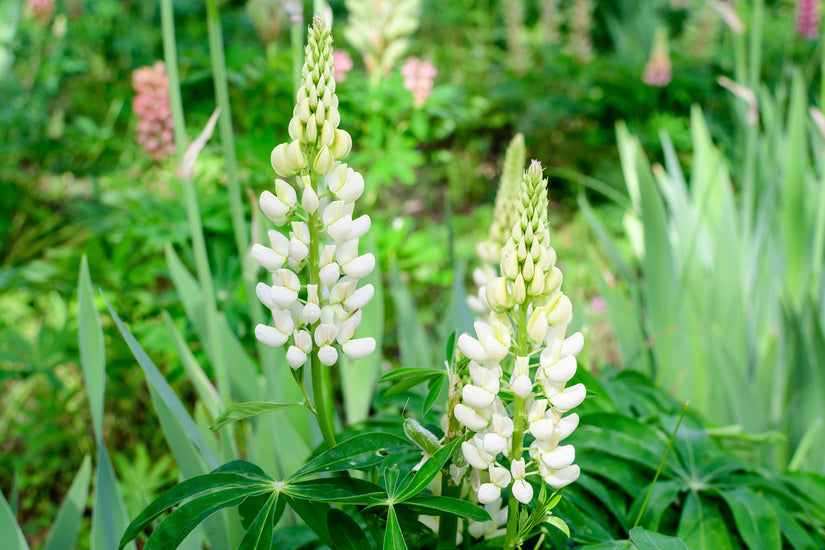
327,355
270,336
295,357
519,290
341,144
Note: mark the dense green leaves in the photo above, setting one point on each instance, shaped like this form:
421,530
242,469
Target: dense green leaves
345,531
648,540
362,451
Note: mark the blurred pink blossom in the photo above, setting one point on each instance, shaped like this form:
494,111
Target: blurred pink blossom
418,79
658,68
807,18
155,132
41,10
341,64
598,303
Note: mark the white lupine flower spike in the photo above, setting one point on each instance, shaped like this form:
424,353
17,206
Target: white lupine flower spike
521,345
315,294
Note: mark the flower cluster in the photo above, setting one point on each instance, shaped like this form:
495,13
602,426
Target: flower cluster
379,30
418,79
658,68
529,322
581,25
155,131
41,10
489,251
807,19
321,314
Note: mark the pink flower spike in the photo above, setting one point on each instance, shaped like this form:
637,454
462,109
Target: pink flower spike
418,79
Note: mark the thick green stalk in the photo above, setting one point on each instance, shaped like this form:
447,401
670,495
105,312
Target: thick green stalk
193,215
322,415
448,524
517,448
236,213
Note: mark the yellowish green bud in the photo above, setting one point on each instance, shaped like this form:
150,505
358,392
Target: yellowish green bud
497,295
279,162
519,290
295,157
561,311
341,144
324,161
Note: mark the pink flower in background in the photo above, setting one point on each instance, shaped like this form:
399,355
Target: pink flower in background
807,18
418,79
41,10
598,303
341,64
658,68
155,132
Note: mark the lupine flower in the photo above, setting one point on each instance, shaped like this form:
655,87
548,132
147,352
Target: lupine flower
418,79
379,30
658,68
528,324
155,131
320,313
581,24
550,20
342,63
516,41
807,19
41,10
489,251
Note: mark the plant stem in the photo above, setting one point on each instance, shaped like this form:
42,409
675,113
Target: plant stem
322,415
659,470
517,448
448,524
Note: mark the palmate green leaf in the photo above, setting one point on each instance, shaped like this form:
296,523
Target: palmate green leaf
69,517
314,514
12,535
345,531
92,350
410,372
159,383
433,505
605,496
236,474
240,411
259,534
754,517
335,489
798,536
621,436
361,451
648,540
393,537
702,526
174,528
417,481
663,495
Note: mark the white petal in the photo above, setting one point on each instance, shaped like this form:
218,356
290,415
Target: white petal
522,386
346,330
279,242
309,200
303,340
564,477
472,348
311,313
347,251
270,336
572,345
488,492
283,297
494,443
477,397
567,425
500,476
560,457
325,333
361,266
327,355
523,491
360,298
359,348
353,188
570,398
562,371
274,208
542,429
295,357
469,418
518,468
286,193
477,459
266,257
263,291
360,226
503,425
330,273
298,250
340,229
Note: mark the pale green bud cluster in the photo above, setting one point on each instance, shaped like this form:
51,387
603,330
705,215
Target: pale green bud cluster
316,139
319,314
379,30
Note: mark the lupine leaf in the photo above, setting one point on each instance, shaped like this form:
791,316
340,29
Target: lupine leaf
407,372
454,506
69,517
648,540
240,411
345,531
361,451
393,537
417,481
754,518
702,525
434,387
314,515
174,528
335,489
259,533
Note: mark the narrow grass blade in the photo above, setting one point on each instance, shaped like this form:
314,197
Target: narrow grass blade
92,350
12,535
109,517
67,525
241,411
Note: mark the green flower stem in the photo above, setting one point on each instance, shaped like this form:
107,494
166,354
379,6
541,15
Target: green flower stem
659,470
517,448
322,415
195,224
236,212
448,524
